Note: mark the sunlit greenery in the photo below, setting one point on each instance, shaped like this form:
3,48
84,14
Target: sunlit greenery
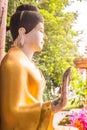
59,49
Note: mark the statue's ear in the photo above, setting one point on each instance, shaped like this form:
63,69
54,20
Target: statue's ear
21,31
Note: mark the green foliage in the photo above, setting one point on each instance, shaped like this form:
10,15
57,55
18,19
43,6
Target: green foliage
65,120
59,49
79,89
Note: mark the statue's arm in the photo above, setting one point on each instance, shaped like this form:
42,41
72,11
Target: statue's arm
59,103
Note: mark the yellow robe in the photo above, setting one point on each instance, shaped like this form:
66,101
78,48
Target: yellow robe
21,86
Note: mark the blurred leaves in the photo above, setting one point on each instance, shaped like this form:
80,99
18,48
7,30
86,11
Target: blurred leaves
59,49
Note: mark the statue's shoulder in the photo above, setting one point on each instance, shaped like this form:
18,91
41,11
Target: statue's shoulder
17,60
13,58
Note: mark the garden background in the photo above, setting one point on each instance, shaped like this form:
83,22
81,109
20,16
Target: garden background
60,49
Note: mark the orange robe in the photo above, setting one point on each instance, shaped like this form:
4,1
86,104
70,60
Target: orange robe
21,87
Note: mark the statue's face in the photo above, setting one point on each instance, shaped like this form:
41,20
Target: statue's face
35,38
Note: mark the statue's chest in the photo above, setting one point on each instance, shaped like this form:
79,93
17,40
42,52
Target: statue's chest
36,83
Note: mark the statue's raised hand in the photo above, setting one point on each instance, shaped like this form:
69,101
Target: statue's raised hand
60,102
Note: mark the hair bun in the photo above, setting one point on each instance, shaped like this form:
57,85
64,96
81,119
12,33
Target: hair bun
26,7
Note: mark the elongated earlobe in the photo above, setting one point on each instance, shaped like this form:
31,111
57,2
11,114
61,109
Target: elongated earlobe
22,41
21,32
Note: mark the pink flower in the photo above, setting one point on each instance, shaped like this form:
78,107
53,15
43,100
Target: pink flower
79,119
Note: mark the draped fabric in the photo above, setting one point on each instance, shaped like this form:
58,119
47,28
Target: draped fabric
20,94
